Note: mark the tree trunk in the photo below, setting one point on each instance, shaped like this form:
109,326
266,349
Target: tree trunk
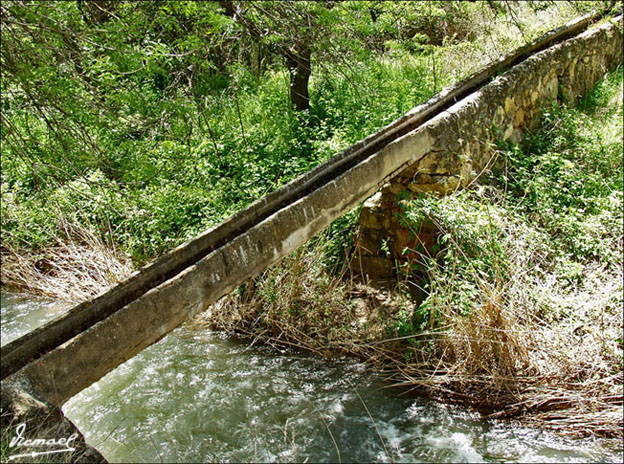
297,57
95,12
298,64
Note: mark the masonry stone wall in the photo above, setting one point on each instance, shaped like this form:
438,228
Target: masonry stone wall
464,139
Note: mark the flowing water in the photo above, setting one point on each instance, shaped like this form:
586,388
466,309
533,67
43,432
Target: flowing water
21,314
200,396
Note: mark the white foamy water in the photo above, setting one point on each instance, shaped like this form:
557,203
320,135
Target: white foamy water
199,396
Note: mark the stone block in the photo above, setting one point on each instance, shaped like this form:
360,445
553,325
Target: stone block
510,105
394,188
375,267
441,185
372,215
368,242
441,163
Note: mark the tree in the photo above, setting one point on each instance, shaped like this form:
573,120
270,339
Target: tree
288,29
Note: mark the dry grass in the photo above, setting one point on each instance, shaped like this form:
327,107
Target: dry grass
297,303
525,327
78,267
529,343
562,373
506,358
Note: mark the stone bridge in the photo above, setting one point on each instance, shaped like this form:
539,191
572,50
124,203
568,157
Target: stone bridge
440,146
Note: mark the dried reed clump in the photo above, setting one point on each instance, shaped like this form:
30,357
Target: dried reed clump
78,267
297,303
530,347
293,304
481,358
581,389
542,373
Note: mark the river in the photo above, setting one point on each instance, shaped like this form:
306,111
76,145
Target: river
200,396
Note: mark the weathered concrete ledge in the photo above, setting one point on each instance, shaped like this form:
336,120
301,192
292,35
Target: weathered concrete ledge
86,357
466,137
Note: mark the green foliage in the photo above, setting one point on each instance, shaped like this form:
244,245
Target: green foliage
338,241
568,175
151,121
473,245
144,132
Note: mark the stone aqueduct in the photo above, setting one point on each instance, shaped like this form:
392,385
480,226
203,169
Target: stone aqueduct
438,147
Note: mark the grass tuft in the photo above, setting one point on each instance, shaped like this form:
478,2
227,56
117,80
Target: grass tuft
77,267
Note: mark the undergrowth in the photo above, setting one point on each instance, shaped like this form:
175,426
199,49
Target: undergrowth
169,165
526,290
